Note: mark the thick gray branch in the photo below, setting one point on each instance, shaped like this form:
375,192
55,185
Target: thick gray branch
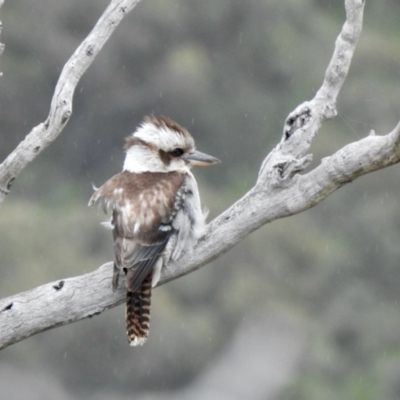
61,105
59,303
280,191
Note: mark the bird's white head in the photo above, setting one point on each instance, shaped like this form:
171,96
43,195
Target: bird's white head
161,145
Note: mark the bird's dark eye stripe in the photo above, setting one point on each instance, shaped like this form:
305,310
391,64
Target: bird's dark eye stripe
177,152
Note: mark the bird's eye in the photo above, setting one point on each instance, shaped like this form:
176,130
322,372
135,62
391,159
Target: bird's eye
177,152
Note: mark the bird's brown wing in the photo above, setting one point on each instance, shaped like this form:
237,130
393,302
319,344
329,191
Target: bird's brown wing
143,207
137,256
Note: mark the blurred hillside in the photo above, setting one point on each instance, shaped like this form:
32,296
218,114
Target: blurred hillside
230,71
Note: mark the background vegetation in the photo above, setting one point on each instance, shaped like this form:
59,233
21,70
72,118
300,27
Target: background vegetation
230,71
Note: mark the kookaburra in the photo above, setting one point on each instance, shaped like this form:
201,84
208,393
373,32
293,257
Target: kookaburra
155,211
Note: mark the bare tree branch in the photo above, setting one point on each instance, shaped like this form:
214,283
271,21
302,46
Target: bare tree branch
61,105
280,191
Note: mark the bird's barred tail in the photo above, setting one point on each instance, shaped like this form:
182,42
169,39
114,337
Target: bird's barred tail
138,313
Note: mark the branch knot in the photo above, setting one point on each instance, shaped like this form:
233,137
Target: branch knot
286,169
296,120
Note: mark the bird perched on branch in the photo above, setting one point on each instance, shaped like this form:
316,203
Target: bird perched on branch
155,211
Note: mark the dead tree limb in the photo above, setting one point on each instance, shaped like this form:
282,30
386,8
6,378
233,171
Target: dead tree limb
281,190
61,105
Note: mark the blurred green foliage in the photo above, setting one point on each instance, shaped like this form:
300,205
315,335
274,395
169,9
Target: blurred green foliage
230,71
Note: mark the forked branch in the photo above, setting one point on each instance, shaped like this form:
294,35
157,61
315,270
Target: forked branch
280,191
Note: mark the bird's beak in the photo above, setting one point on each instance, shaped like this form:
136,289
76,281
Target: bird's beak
199,159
